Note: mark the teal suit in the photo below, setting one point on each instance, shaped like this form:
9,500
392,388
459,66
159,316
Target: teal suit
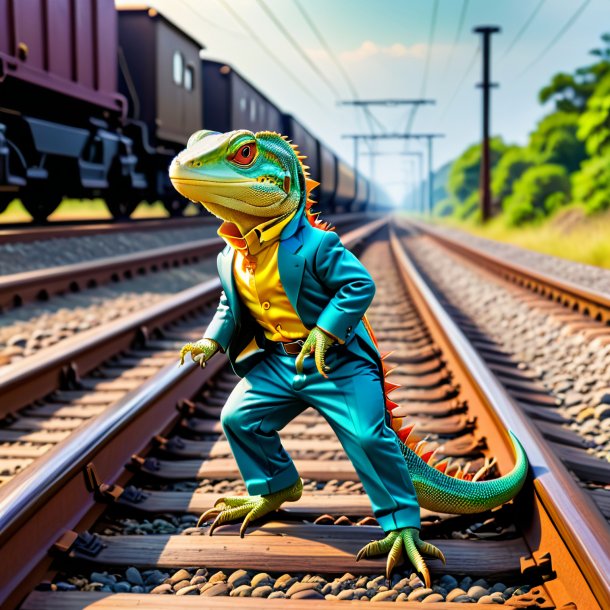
328,287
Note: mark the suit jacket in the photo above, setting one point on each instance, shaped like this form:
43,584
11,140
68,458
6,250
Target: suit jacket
325,283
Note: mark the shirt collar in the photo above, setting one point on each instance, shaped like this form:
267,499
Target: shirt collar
257,238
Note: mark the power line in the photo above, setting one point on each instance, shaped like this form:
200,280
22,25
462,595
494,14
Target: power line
191,8
429,49
461,83
566,26
327,48
246,26
458,35
350,84
297,47
524,27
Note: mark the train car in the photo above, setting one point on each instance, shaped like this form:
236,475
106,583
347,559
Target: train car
325,193
60,104
345,193
307,143
362,194
161,78
231,102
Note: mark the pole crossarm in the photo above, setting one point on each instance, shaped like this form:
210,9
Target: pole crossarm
392,136
387,102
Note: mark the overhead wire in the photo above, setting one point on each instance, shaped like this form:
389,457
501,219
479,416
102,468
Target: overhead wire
460,83
297,47
566,26
458,35
246,26
368,115
424,84
523,28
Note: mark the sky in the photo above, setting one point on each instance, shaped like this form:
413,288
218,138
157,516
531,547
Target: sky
397,49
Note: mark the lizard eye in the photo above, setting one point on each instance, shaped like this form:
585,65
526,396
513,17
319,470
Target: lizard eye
245,154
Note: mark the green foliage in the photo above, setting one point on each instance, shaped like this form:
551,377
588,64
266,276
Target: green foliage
591,185
535,194
594,123
464,176
570,92
555,141
444,208
511,166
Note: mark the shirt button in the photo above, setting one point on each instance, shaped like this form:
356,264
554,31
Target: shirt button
266,305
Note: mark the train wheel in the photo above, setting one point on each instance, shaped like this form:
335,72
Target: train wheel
176,206
120,206
40,204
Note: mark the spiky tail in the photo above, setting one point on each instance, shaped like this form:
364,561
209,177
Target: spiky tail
445,487
437,491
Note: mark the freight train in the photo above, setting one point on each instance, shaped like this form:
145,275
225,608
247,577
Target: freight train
95,102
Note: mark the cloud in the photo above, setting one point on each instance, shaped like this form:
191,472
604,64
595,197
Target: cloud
369,49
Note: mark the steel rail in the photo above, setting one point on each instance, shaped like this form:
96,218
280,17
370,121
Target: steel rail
26,232
27,286
40,284
574,515
580,298
50,497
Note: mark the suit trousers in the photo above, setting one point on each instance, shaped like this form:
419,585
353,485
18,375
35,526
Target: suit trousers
353,403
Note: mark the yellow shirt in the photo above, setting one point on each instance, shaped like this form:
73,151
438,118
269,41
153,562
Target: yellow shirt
257,278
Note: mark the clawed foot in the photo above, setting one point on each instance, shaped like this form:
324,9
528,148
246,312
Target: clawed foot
232,508
393,544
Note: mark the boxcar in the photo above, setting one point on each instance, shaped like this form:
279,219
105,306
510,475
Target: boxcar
307,143
325,193
362,193
160,76
60,102
231,102
346,187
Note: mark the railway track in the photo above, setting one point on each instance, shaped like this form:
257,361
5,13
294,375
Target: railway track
47,396
580,309
27,232
551,540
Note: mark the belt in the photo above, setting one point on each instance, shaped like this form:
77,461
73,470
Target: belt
292,348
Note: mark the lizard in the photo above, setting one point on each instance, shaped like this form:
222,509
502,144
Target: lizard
258,185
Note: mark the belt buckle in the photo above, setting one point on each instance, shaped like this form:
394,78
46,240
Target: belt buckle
298,342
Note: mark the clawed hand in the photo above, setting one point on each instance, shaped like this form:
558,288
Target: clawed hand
317,342
394,545
201,351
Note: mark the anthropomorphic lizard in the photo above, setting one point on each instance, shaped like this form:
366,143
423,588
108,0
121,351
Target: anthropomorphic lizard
290,289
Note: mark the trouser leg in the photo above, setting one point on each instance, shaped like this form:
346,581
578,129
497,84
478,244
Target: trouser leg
352,401
261,404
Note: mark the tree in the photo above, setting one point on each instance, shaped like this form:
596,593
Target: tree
464,175
555,141
534,194
571,92
594,123
510,168
591,185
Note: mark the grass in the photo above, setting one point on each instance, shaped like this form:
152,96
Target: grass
83,209
569,234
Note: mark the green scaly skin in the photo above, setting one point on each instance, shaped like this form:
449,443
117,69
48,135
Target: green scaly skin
271,184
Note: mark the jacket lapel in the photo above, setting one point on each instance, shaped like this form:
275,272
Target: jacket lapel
291,264
225,272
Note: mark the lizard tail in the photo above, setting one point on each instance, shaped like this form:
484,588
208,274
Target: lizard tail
443,485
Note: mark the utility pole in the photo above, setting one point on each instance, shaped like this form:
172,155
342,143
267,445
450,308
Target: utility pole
406,136
486,85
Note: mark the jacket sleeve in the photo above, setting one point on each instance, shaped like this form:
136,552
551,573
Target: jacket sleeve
222,326
352,287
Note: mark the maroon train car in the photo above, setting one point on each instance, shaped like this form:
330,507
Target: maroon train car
60,106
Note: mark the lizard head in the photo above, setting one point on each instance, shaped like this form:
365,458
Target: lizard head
240,176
